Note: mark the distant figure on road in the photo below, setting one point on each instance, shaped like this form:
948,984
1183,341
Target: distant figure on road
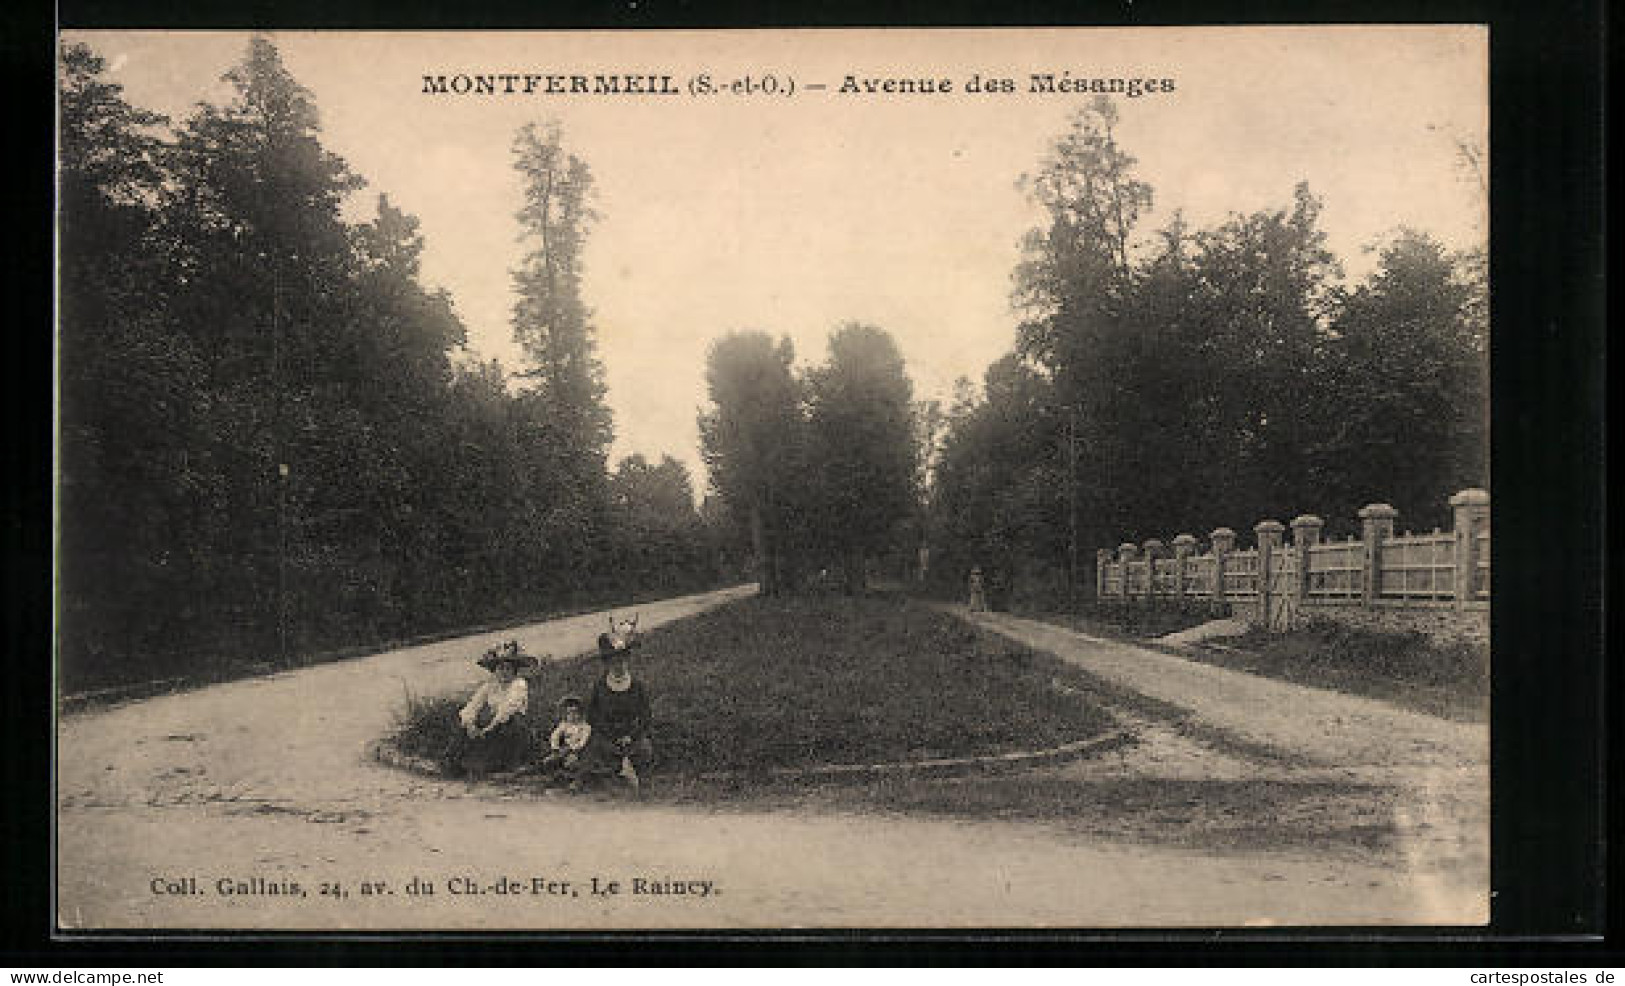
978,595
618,711
494,736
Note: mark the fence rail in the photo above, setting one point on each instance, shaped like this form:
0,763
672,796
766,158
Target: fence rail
1165,576
1419,567
1241,574
1336,571
1200,575
1378,568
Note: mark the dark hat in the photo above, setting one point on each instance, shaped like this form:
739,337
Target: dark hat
508,653
570,700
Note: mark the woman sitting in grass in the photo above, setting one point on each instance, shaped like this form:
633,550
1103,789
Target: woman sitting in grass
494,736
618,711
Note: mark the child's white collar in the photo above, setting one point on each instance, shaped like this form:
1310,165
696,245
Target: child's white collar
618,681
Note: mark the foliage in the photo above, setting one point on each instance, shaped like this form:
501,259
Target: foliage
272,443
661,538
1138,620
1203,378
1449,678
862,446
563,398
998,495
823,467
1409,359
753,439
428,728
121,370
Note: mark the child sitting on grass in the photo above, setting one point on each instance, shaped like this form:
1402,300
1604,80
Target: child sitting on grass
568,741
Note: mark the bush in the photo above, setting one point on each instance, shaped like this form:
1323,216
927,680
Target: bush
1145,620
1396,656
427,727
1448,679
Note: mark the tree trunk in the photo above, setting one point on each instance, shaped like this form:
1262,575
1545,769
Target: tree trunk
766,565
855,581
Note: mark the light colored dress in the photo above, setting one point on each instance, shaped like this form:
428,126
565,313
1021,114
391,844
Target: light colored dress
501,710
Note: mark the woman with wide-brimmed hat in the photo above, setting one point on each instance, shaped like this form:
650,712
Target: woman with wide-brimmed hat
494,736
618,710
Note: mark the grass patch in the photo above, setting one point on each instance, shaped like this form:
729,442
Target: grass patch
1244,815
1138,620
804,682
1328,818
1451,680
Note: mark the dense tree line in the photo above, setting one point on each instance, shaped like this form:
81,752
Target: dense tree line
821,466
271,439
1197,378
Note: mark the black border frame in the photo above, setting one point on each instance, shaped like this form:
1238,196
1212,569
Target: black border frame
1551,700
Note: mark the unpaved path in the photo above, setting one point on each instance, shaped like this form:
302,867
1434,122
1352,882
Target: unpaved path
168,809
1436,770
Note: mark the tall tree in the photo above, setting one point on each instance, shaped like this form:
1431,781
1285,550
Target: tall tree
1214,376
265,445
999,493
1264,299
265,271
752,438
1074,287
126,380
862,447
1409,358
551,322
661,491
1158,386
656,527
565,426
1076,270
403,411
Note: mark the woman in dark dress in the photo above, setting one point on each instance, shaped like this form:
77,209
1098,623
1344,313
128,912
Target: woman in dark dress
618,710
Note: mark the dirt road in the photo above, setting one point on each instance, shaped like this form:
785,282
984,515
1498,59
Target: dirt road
1434,772
254,805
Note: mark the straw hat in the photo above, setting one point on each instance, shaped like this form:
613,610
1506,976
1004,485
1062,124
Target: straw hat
509,653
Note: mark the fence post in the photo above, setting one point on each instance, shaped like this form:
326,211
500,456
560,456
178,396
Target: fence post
1184,547
1153,550
1376,526
1306,530
1223,540
1268,534
1125,554
1103,557
1471,510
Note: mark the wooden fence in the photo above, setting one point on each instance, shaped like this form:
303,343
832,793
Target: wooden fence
1272,581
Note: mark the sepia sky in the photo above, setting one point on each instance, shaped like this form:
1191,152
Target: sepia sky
793,214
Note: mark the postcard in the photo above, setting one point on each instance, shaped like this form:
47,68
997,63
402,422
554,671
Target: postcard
773,479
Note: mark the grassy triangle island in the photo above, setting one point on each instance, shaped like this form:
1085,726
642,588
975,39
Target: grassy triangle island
769,686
